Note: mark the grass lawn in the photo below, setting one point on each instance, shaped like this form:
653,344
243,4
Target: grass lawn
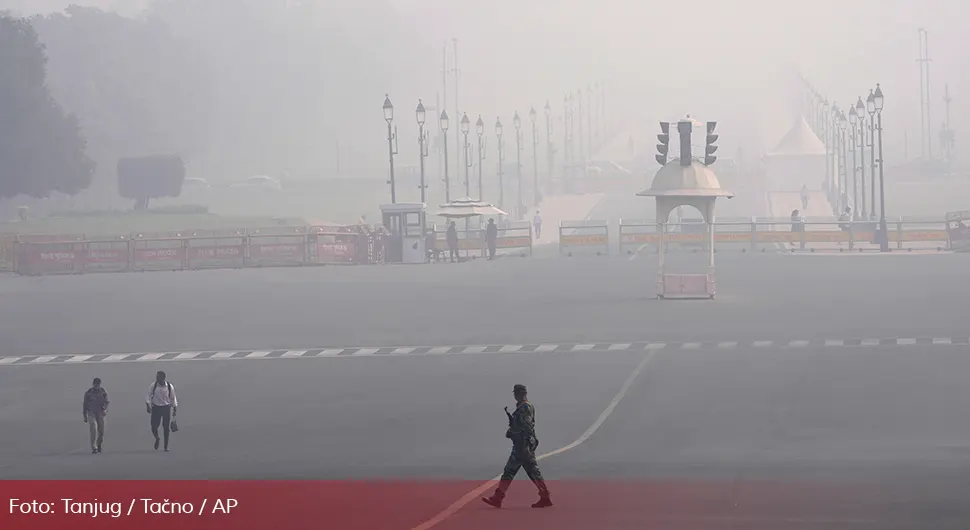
127,223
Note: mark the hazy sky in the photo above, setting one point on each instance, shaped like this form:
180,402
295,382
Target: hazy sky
726,61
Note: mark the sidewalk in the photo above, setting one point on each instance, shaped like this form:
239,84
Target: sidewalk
563,208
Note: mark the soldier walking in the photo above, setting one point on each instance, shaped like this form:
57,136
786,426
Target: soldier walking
522,432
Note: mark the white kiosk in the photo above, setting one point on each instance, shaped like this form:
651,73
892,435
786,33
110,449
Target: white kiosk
685,185
406,223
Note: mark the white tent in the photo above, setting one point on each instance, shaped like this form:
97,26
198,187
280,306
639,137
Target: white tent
798,160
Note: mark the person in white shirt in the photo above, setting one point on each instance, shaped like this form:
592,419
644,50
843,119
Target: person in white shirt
161,404
537,224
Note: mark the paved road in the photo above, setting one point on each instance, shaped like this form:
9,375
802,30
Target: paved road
809,437
509,301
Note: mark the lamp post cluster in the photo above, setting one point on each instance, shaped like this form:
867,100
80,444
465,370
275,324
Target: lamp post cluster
860,129
469,156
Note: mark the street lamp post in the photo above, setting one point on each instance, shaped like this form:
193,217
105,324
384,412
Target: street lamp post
549,153
834,142
823,116
420,114
842,124
567,143
853,124
501,162
884,241
517,123
391,142
860,108
873,162
535,158
443,123
464,124
480,131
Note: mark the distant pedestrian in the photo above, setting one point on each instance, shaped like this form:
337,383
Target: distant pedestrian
537,224
797,225
522,432
845,219
94,409
452,239
804,196
491,237
161,404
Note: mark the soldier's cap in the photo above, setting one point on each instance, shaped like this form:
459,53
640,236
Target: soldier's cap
519,389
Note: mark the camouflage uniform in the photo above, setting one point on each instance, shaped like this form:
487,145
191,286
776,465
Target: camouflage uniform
522,432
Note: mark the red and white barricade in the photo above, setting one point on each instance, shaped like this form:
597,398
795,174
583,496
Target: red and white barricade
277,246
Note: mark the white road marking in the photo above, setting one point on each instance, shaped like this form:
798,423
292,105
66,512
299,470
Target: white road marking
43,359
638,250
477,492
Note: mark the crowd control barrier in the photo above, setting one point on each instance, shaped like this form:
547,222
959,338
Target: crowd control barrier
515,238
759,234
193,250
584,237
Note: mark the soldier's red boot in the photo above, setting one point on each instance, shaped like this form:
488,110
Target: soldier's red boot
496,499
493,501
543,502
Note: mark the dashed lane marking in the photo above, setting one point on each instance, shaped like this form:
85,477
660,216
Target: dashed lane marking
545,348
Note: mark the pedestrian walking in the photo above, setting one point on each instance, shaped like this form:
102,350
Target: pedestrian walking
94,409
452,238
522,432
537,224
491,237
804,196
161,404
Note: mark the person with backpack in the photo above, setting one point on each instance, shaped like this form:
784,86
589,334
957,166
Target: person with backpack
94,409
162,404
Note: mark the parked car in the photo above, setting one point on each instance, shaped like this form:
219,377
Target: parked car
196,183
260,182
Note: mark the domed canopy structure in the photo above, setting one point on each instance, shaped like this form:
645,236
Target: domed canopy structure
694,185
695,180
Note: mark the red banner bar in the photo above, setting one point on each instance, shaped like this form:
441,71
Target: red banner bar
659,504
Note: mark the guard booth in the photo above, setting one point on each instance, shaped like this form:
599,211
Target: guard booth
406,223
685,185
